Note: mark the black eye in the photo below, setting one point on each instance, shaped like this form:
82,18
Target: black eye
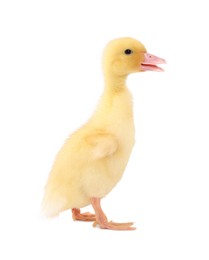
128,51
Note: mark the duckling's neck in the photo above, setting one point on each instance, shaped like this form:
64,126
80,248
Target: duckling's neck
116,101
115,84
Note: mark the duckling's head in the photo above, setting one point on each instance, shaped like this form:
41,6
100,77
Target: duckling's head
123,56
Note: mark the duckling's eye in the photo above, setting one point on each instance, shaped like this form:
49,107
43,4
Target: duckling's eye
128,51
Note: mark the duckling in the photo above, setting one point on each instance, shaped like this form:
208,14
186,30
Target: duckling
93,159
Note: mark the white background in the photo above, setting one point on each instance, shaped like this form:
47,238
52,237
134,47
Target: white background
50,82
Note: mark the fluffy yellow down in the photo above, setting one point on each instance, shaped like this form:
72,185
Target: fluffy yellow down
94,157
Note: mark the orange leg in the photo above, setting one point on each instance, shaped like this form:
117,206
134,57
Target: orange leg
77,215
102,221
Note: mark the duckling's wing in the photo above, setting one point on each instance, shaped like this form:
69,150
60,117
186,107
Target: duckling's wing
102,145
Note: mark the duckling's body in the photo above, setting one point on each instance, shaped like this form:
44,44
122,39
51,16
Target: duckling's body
93,159
97,153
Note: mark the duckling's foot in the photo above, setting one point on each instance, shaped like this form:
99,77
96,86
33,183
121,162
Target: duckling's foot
77,215
102,221
114,226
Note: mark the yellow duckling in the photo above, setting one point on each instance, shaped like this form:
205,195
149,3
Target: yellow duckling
93,159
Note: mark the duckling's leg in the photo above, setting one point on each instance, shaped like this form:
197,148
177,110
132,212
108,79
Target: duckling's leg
77,215
102,221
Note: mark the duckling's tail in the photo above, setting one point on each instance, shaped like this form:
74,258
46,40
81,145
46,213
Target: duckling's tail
53,203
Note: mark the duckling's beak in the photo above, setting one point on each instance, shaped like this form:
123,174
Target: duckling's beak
150,63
